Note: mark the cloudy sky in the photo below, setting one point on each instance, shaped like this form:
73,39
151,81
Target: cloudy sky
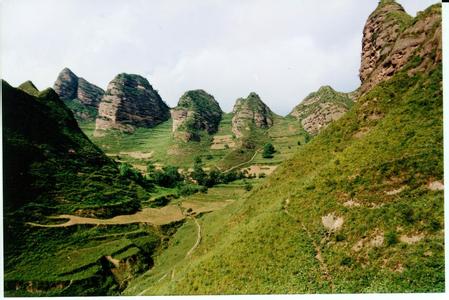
281,49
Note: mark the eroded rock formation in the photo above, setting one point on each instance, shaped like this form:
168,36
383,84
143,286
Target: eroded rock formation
81,96
392,39
129,102
320,108
250,112
196,111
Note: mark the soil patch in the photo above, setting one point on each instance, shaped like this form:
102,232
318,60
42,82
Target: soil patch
220,142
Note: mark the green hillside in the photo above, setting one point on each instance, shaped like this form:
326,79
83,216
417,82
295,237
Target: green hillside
374,169
51,168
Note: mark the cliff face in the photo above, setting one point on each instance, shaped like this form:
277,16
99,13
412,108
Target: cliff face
196,111
392,38
129,102
320,108
250,112
66,85
81,96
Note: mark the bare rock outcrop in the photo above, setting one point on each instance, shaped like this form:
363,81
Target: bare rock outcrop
81,96
129,102
197,111
320,108
250,112
393,39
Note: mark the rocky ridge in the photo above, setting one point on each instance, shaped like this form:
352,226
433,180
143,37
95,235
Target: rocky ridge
392,38
81,96
129,102
250,112
320,108
196,111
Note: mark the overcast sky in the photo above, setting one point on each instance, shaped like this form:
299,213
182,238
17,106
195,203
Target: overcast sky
281,49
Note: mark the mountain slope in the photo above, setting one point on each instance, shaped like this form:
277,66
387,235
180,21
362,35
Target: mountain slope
51,168
250,113
380,183
196,111
81,96
130,102
320,108
358,209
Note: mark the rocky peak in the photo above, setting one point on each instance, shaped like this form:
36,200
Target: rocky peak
391,38
320,108
66,85
250,112
81,96
129,102
196,111
69,87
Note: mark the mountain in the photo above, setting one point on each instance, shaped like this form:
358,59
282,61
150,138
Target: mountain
250,113
50,168
78,94
29,87
196,111
358,209
392,38
130,102
320,108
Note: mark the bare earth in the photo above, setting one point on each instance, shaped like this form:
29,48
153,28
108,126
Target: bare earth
220,142
155,216
258,169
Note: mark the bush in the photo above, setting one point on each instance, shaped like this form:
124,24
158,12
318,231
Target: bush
190,189
346,261
168,176
391,238
247,186
268,150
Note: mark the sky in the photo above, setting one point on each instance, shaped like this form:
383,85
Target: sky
280,49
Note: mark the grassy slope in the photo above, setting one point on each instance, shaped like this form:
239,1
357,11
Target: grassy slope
262,249
171,262
50,168
159,141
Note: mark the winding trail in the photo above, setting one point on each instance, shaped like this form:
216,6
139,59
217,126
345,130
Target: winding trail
198,239
172,272
243,163
319,256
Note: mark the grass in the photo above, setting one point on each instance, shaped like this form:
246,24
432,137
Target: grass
171,263
253,246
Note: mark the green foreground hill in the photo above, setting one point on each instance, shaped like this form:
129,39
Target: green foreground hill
370,180
359,209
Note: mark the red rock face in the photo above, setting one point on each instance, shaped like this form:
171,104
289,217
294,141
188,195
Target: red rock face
129,102
391,38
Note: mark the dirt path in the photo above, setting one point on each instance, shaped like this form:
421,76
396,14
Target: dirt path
318,256
155,216
243,163
198,239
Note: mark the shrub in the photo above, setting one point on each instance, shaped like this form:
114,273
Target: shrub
268,150
168,176
391,238
247,186
346,261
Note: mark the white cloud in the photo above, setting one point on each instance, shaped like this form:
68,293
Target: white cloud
280,49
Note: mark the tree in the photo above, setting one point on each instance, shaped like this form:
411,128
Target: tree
168,176
268,150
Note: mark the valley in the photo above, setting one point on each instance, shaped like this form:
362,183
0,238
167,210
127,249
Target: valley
112,192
